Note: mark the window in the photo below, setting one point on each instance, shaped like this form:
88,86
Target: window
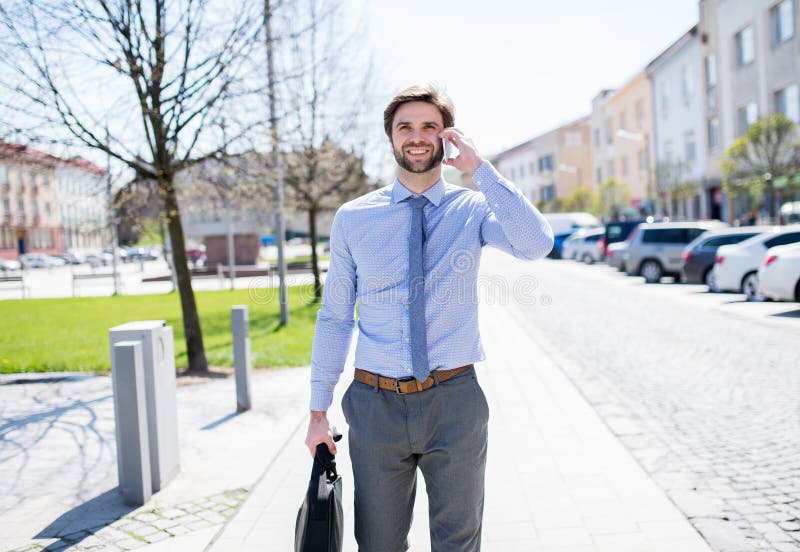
546,163
32,179
6,207
744,46
689,147
623,121
47,208
21,209
3,176
687,86
513,174
624,163
714,243
521,171
45,180
713,134
787,102
664,101
610,169
609,131
599,175
711,71
668,151
782,17
783,239
20,184
746,116
34,208
532,168
639,113
597,137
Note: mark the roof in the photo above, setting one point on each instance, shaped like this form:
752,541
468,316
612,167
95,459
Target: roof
671,50
32,155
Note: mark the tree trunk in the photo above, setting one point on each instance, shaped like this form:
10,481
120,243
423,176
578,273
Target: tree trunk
195,351
312,230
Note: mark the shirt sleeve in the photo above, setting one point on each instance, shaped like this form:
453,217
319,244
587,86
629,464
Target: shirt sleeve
512,224
335,319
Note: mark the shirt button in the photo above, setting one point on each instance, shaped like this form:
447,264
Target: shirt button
406,340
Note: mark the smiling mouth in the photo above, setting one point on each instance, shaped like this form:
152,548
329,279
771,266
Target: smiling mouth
417,152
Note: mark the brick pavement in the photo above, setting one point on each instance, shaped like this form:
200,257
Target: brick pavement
557,479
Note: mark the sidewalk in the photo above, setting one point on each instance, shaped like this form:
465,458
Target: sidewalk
557,479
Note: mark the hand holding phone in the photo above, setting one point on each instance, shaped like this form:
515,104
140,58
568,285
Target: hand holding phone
449,150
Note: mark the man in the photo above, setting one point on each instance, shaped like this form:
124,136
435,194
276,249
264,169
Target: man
408,254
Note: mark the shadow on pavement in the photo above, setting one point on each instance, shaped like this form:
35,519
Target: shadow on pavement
85,520
788,314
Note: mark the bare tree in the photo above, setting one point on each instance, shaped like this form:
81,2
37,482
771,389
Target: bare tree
157,85
328,78
323,178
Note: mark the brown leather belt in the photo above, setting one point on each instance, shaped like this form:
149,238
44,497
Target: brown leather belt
409,385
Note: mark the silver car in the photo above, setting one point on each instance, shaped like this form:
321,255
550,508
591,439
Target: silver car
656,248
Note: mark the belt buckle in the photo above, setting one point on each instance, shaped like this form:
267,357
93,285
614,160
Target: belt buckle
397,385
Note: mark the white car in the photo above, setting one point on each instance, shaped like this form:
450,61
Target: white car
779,273
40,260
616,254
736,268
588,248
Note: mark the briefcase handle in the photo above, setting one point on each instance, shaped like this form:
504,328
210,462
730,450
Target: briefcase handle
324,460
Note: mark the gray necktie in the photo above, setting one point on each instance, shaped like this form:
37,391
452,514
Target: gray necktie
416,290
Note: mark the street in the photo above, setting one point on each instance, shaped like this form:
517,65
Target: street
702,388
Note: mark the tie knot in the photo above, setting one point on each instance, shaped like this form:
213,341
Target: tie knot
418,202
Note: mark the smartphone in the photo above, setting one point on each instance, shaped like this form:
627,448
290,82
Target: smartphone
448,149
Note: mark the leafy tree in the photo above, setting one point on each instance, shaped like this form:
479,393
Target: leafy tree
614,197
766,157
581,199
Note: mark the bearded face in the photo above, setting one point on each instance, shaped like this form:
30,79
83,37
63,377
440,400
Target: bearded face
418,156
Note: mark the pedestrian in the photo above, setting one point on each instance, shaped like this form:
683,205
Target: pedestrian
408,255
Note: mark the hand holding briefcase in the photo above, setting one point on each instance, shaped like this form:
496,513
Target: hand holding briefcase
320,519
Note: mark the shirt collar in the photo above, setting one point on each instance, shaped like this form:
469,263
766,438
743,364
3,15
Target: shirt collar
434,194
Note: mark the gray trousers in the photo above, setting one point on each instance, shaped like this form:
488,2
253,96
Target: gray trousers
443,431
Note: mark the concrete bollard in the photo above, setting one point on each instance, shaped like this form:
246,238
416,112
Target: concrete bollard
160,393
130,412
240,326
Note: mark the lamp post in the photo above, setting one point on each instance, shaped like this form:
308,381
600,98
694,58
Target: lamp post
111,218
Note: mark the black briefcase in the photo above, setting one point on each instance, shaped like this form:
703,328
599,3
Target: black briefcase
320,519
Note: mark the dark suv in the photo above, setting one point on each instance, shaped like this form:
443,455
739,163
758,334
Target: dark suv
701,254
618,231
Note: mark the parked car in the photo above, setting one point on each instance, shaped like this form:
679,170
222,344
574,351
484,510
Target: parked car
779,273
701,254
140,253
618,231
736,268
588,247
615,255
71,258
40,260
7,265
566,224
99,258
656,248
570,244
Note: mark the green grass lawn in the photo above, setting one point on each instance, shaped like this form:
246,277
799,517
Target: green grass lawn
42,335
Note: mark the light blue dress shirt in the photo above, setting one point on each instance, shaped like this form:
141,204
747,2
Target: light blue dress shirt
369,268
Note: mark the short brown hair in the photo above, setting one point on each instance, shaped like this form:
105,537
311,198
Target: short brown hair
420,93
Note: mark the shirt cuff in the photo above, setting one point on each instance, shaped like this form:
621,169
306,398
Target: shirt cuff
486,176
321,399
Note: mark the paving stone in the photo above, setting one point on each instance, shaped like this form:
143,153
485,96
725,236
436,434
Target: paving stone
157,536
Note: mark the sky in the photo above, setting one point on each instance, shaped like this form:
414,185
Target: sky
517,68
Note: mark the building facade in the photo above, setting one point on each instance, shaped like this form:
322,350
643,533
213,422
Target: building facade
751,67
622,121
48,203
551,165
83,205
682,190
